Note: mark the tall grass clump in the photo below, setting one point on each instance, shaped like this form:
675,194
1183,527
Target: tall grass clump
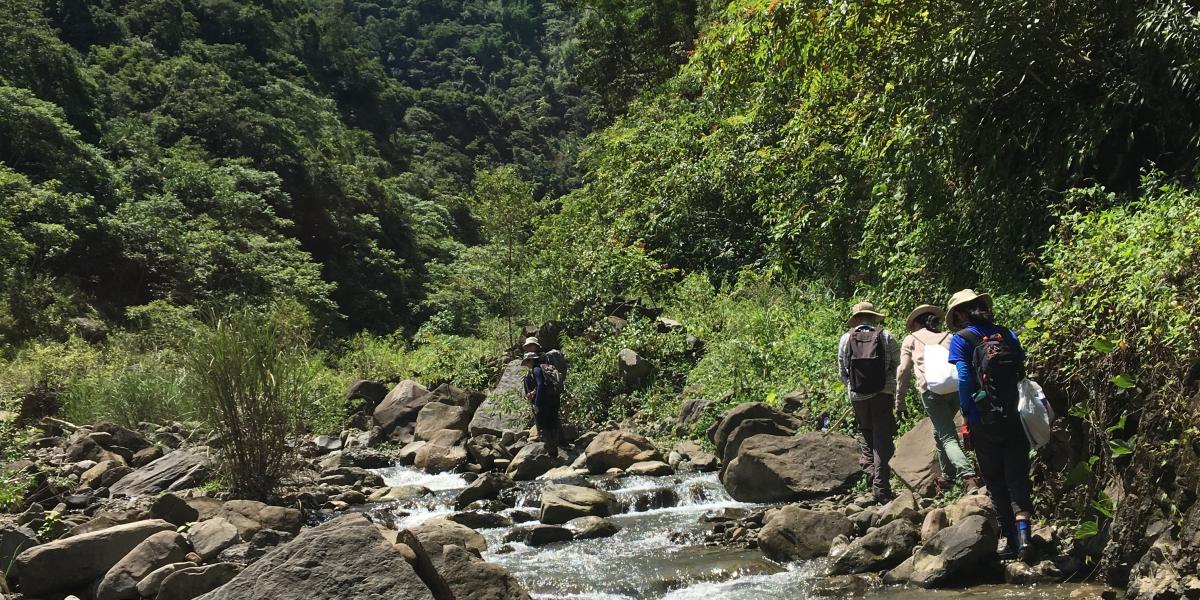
249,375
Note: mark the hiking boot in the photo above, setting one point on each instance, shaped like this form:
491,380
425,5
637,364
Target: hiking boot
884,497
1024,542
943,486
971,484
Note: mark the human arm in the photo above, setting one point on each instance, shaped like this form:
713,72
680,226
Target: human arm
844,359
539,385
904,371
962,355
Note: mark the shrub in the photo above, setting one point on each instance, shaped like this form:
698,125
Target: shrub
249,376
129,389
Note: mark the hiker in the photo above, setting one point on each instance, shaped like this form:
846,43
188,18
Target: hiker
990,363
543,393
925,354
867,358
551,357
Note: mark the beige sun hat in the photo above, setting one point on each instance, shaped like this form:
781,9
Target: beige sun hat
863,308
960,298
532,341
923,309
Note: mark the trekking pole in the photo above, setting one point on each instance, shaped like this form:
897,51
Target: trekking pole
833,426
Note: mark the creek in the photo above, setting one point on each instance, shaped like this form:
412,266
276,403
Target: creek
659,553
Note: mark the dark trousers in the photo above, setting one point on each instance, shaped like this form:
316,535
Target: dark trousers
549,425
875,419
1003,454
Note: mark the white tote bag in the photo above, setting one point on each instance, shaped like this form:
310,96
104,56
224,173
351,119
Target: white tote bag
941,377
1036,414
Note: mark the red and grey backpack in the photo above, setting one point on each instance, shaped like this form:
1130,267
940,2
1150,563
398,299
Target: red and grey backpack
998,368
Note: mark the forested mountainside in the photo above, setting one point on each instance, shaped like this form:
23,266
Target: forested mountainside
401,184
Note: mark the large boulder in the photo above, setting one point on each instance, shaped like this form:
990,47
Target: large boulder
178,469
364,395
504,409
211,536
954,550
437,458
915,461
42,569
123,437
747,429
794,533
401,405
772,468
157,551
437,416
531,461
436,533
471,578
562,503
251,515
149,585
881,549
587,528
173,509
346,557
192,582
13,541
719,432
619,449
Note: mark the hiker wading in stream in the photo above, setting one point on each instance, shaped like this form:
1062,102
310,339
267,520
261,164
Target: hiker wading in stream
925,354
543,389
867,359
990,364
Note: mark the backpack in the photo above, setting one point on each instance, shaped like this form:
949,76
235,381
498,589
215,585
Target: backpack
941,377
998,369
866,360
556,359
553,379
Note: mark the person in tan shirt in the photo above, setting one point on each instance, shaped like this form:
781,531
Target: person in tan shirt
941,403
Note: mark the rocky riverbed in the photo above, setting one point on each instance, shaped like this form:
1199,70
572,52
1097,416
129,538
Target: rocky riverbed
436,496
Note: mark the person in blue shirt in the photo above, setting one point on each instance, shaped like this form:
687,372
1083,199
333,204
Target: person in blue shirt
1001,446
544,401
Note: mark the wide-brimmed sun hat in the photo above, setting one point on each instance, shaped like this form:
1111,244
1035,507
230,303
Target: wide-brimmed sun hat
961,298
924,309
528,356
861,309
532,341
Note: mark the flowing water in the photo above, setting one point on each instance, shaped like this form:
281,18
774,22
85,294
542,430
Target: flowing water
658,553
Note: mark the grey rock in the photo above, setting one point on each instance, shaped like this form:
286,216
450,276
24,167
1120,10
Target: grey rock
173,509
40,569
633,368
346,557
193,582
485,487
470,578
953,551
494,415
436,533
619,449
13,541
531,461
587,528
211,536
157,551
915,461
437,416
562,503
162,474
794,533
770,468
881,549
541,535
719,433
401,405
149,585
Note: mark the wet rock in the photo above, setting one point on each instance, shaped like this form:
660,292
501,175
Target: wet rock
400,406
493,416
436,533
842,586
344,558
651,468
619,449
40,569
1044,572
880,549
173,509
486,487
953,551
655,499
478,519
213,535
532,461
792,533
719,433
486,449
158,550
165,474
968,506
561,503
772,468
915,461
586,528
633,368
722,515
192,582
540,535
399,492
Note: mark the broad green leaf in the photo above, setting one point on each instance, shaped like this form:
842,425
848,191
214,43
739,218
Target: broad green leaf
1123,381
1086,530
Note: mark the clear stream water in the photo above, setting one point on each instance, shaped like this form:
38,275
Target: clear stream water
659,554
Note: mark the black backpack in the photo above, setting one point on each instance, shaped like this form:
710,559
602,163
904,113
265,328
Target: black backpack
998,369
867,374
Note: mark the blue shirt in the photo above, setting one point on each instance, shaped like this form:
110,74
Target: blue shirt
535,382
962,354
